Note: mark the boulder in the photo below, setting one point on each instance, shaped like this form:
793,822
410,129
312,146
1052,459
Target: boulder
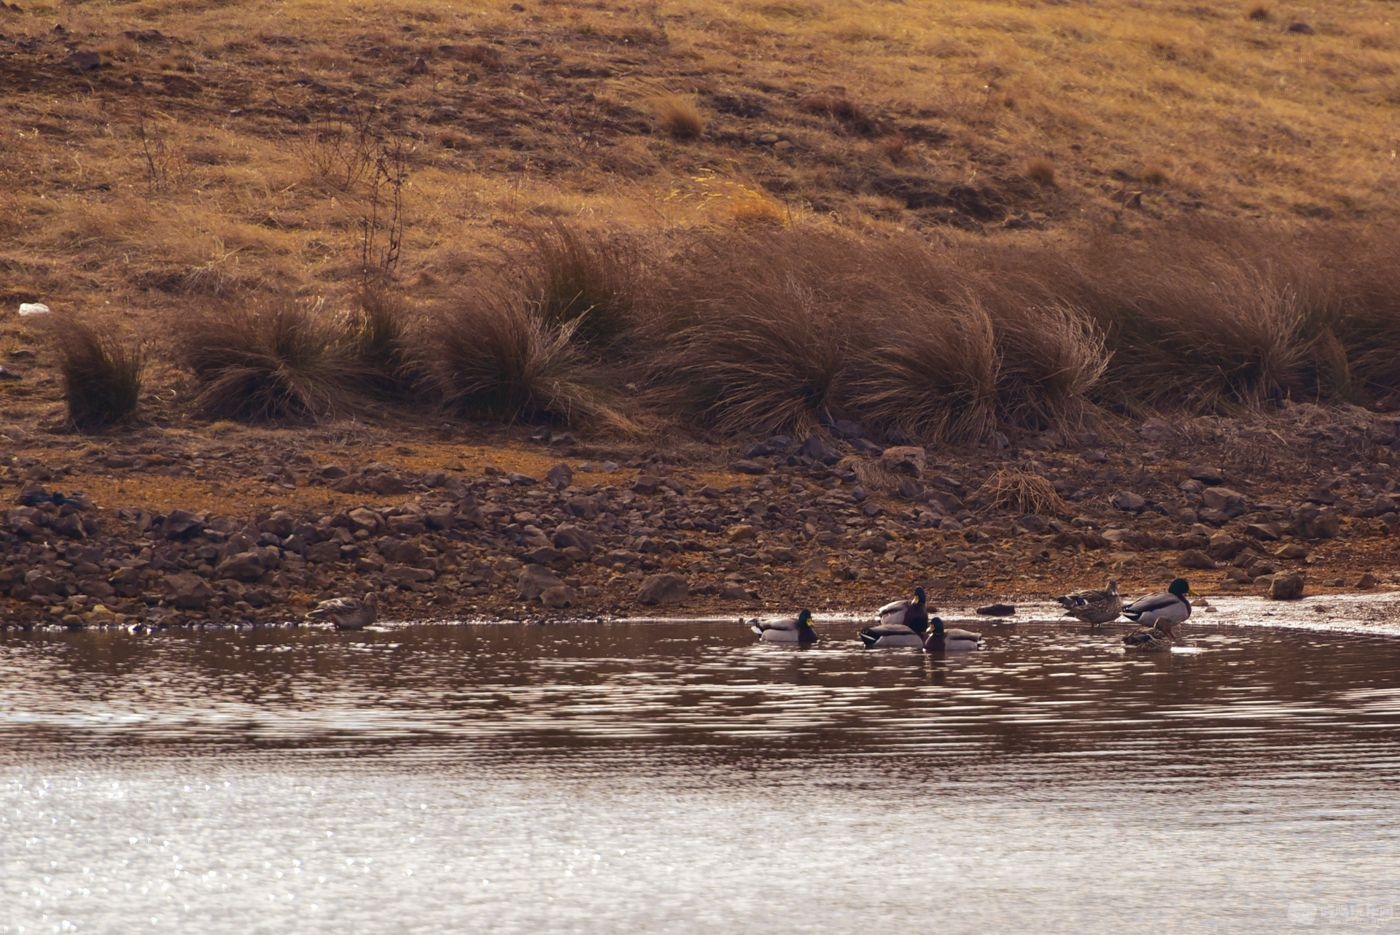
1287,587
663,589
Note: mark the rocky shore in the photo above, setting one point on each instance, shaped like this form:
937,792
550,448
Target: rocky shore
158,528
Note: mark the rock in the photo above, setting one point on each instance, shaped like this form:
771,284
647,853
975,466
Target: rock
1129,502
1266,532
997,610
818,450
1206,474
664,589
1223,546
1293,552
1195,558
83,60
1287,587
569,536
181,524
904,459
26,309
187,591
534,580
242,566
1366,582
1312,523
748,467
561,475
1224,500
366,519
741,533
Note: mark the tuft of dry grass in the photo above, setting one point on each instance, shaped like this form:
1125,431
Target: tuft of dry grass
379,345
273,360
101,376
930,373
679,116
583,279
493,356
1041,172
1022,492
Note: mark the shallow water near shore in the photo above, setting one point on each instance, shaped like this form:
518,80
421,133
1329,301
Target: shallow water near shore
674,776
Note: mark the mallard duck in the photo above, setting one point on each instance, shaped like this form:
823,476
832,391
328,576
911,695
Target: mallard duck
947,640
1171,607
901,623
1093,606
787,630
1157,638
346,613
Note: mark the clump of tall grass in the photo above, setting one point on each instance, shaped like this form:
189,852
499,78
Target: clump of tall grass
759,334
679,116
379,346
495,356
101,376
930,373
583,279
273,361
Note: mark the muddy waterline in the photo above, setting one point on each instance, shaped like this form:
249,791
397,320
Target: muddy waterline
673,776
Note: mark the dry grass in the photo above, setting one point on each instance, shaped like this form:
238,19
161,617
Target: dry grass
1100,158
584,279
101,375
494,357
1022,492
679,116
276,361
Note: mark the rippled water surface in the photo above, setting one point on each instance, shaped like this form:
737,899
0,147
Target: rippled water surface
673,776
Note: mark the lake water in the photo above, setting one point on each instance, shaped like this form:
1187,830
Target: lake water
674,776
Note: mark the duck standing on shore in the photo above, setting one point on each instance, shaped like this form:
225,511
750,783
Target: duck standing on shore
1093,606
347,613
786,630
901,623
1170,607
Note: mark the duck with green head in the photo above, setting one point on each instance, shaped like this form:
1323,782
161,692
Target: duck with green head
796,629
941,639
901,623
1170,607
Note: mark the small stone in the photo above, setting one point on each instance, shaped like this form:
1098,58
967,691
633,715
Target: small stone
1366,582
997,610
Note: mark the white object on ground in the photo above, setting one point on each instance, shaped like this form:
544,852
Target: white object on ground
33,308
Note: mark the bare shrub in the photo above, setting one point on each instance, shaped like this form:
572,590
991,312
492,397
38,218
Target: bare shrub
101,376
272,361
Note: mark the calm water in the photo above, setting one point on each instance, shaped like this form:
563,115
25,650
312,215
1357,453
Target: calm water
676,777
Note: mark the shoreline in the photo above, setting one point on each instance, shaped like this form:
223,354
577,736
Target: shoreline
227,524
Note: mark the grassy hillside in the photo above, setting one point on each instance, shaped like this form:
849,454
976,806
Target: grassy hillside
940,218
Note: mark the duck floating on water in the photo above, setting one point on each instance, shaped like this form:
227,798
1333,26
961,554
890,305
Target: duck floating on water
901,623
787,630
346,613
1171,607
942,639
1093,606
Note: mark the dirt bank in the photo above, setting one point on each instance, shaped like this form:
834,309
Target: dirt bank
225,523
